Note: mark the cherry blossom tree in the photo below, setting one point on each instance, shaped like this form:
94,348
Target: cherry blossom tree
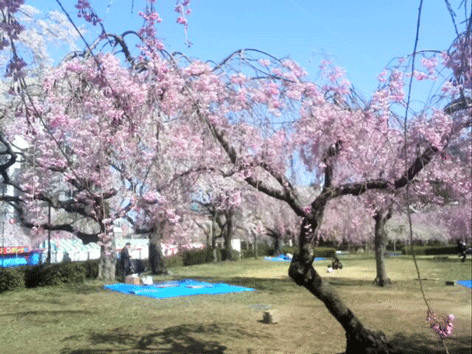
105,181
336,138
97,126
281,224
348,224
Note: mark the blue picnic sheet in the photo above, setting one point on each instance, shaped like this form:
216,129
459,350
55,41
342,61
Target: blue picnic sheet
284,258
467,283
177,288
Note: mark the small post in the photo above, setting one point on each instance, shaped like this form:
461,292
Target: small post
48,259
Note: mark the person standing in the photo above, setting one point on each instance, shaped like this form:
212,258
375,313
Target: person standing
125,259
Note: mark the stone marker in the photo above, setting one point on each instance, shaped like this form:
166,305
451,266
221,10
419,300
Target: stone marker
271,317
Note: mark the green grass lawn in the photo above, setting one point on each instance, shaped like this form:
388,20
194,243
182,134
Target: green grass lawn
89,319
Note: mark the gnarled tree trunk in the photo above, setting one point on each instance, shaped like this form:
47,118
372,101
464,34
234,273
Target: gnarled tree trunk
255,244
106,265
359,339
381,217
156,258
228,235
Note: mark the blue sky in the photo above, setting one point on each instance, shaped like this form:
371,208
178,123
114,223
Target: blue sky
360,35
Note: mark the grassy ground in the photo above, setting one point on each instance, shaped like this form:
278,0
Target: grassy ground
88,319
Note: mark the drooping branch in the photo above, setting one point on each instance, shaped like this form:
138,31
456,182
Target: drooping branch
287,194
15,203
10,161
381,184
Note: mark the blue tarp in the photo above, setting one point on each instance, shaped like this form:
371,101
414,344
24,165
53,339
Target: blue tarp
13,260
284,258
177,288
467,283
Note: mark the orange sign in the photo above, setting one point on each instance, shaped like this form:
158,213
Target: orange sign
13,250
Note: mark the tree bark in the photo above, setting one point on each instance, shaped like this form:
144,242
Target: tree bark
156,258
255,245
228,235
359,339
106,265
213,240
381,217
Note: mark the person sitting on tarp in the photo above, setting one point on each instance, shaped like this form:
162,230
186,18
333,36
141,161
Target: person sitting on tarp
336,264
125,259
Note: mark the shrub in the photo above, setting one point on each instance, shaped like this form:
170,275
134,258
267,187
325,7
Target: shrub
193,257
322,252
325,252
249,253
224,257
55,274
33,276
430,250
63,273
91,268
202,256
263,249
289,249
11,279
174,261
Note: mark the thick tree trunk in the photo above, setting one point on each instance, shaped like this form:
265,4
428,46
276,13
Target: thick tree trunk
228,235
227,247
380,241
156,258
213,249
106,265
255,245
277,248
359,339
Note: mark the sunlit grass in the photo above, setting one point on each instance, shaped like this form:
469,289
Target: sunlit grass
88,319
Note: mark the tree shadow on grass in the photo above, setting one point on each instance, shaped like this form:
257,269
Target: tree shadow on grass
349,282
260,284
180,339
85,288
52,313
283,284
416,344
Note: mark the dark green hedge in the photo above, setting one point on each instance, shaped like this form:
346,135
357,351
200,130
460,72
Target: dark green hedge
11,279
205,255
55,274
193,257
63,273
325,252
263,250
174,261
91,268
41,275
430,250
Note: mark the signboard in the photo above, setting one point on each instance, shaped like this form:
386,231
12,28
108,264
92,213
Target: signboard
13,250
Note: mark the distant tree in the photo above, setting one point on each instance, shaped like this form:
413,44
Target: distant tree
221,207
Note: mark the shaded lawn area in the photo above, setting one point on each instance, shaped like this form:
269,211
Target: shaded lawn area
89,319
